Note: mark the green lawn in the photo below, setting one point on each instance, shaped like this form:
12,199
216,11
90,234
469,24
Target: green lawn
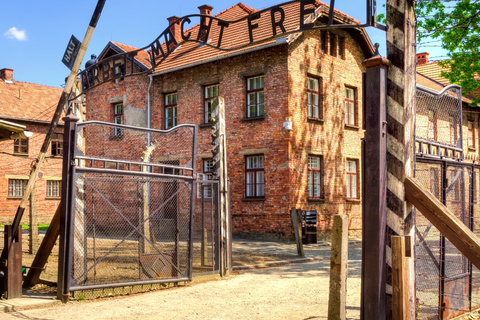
41,227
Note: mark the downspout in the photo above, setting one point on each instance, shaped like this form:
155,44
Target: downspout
148,109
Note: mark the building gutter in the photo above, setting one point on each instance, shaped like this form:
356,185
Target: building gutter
229,55
28,120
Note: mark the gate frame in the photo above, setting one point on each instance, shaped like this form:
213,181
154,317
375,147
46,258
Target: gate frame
64,286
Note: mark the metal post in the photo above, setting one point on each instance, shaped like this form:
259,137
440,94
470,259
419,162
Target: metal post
374,217
64,252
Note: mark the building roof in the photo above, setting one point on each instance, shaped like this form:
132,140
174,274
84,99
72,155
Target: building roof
191,53
28,101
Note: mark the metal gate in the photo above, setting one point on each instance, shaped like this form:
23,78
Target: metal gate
130,206
444,287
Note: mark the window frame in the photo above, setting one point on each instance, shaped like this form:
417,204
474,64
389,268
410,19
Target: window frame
311,182
207,100
471,134
255,172
50,189
434,182
324,41
118,116
452,127
333,44
19,145
309,92
349,176
347,107
173,107
57,145
432,127
255,91
341,47
15,188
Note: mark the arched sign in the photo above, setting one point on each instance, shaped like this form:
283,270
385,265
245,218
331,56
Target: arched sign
116,66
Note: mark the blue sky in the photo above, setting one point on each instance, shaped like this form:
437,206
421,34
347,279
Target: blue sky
34,34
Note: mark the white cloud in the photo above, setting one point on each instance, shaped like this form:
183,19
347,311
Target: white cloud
14,33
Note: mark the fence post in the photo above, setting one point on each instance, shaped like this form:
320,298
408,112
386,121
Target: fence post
66,203
33,223
400,305
297,227
374,210
338,268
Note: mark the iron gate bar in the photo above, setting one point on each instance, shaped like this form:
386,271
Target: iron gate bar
125,238
77,169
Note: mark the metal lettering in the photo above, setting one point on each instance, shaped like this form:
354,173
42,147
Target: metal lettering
106,71
279,23
185,37
169,40
304,12
118,68
251,26
204,30
222,24
156,50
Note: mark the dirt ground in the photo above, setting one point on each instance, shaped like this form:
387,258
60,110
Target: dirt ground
295,291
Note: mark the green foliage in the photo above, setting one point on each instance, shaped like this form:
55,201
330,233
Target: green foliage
457,24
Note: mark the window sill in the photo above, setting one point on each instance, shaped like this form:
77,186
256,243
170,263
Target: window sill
254,199
21,154
315,120
350,127
14,198
316,199
53,198
55,156
353,200
253,118
205,125
472,149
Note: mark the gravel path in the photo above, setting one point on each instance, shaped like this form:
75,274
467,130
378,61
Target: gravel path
297,291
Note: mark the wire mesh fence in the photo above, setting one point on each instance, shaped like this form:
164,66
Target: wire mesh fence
447,284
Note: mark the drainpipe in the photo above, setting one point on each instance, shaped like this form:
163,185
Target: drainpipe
148,108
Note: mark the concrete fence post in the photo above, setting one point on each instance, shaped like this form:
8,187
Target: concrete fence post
338,268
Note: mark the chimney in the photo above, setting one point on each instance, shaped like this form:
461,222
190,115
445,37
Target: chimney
206,9
6,75
175,29
204,30
422,58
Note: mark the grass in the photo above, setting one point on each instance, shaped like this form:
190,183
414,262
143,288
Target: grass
41,227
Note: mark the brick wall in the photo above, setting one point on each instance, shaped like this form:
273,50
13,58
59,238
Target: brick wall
285,68
18,167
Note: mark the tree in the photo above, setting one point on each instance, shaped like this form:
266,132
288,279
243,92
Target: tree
456,23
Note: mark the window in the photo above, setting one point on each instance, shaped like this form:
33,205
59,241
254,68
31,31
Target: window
207,175
313,98
434,182
255,97
210,93
57,144
432,125
118,118
16,187
170,110
323,41
350,107
455,191
333,44
341,47
53,188
315,178
452,130
471,135
255,177
20,146
352,179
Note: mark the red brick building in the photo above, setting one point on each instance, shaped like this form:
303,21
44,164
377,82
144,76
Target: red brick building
293,112
31,106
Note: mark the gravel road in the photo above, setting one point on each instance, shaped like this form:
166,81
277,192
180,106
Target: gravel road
296,291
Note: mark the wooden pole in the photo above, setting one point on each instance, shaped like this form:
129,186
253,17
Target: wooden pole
400,130
44,250
337,306
33,223
297,227
400,305
374,204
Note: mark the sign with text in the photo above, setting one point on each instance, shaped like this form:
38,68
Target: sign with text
71,52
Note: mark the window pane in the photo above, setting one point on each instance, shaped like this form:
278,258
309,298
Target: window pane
260,183
354,186
349,93
249,191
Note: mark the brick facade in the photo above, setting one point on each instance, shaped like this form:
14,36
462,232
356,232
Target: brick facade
285,68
